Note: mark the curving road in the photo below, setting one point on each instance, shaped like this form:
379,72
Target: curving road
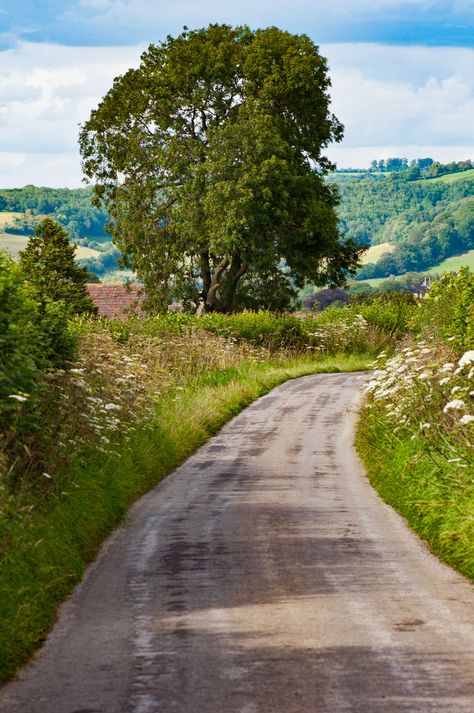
263,576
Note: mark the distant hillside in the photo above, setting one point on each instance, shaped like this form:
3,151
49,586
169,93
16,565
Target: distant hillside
22,208
71,207
424,221
412,224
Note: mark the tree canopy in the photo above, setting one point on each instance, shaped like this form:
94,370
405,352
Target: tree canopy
209,158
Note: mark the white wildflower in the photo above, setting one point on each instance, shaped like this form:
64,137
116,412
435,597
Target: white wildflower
112,407
455,389
444,381
447,367
471,374
450,339
425,426
466,419
454,405
453,460
424,375
467,358
17,397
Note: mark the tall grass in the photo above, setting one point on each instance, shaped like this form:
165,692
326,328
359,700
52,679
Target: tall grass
416,432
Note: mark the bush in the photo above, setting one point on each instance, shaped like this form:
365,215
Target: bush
448,310
390,311
19,338
34,339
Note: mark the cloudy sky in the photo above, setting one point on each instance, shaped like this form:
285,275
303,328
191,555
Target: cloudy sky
402,72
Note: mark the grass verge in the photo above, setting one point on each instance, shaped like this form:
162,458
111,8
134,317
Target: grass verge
432,494
47,543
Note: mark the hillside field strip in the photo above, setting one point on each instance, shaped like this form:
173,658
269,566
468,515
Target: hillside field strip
12,243
448,177
376,251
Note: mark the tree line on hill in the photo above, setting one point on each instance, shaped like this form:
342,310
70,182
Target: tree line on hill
420,167
72,208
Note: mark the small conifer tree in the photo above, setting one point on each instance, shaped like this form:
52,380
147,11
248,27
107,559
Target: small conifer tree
48,265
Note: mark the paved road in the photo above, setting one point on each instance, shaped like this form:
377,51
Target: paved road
263,576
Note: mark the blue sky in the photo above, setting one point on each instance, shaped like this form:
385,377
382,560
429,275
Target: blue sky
402,71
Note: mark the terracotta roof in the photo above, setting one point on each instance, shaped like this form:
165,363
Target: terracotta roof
115,299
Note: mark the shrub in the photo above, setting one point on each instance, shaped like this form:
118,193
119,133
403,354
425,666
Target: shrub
19,337
448,310
34,340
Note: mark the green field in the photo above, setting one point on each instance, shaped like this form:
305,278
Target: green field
12,244
449,177
451,264
454,263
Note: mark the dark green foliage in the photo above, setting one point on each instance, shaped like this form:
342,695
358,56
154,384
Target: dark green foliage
325,298
34,337
49,267
382,210
215,137
448,310
18,336
427,243
427,222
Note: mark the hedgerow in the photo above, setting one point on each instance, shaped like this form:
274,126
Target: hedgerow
416,433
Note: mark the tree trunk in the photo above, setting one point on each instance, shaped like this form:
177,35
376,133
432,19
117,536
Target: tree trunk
212,303
219,288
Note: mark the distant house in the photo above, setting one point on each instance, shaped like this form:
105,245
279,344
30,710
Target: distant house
115,300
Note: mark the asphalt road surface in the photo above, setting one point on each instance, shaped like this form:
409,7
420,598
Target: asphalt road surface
263,576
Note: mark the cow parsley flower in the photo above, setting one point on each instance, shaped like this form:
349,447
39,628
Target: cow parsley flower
466,419
112,407
467,358
454,405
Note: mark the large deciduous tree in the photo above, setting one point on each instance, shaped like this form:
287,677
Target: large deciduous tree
209,160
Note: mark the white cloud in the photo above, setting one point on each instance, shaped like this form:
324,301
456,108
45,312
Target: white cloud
391,97
47,90
410,101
